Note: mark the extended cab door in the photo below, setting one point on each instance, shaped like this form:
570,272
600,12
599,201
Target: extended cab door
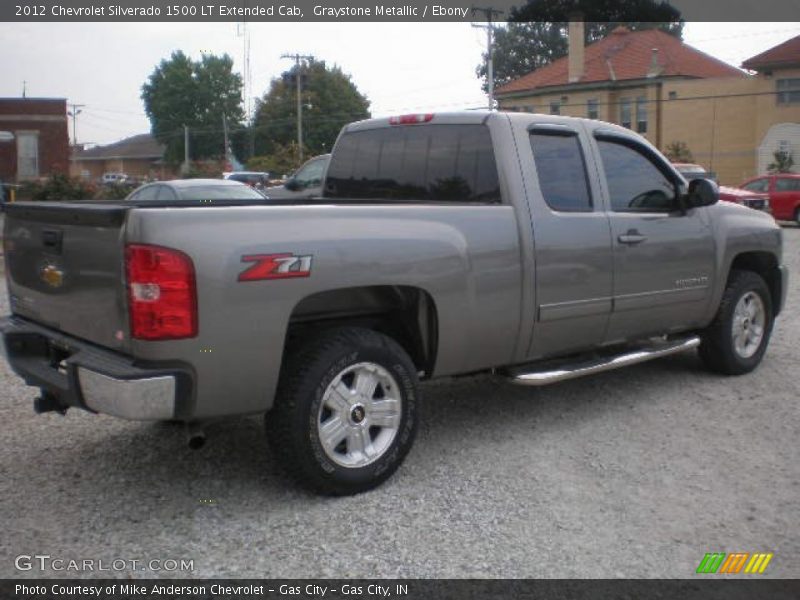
663,255
572,241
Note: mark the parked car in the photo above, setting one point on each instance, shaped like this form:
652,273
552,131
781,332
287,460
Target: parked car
784,194
255,179
536,247
305,183
195,189
747,198
113,178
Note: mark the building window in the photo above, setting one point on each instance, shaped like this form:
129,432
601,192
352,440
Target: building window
27,155
625,112
530,108
555,108
788,91
591,108
641,114
673,95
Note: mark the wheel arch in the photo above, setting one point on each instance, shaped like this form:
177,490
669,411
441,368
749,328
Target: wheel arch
407,314
764,264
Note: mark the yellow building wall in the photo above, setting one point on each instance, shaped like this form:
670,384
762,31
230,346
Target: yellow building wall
722,121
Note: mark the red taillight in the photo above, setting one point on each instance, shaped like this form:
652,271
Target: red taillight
161,293
410,119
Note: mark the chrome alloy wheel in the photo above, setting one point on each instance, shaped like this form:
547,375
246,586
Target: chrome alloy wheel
749,319
359,415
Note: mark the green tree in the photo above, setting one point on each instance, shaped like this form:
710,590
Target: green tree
330,101
536,33
281,161
181,92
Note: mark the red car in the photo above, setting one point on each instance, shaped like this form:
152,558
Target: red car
784,194
749,198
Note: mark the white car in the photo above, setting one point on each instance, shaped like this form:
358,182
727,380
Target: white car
113,178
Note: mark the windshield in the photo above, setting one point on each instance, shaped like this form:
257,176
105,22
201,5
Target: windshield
219,192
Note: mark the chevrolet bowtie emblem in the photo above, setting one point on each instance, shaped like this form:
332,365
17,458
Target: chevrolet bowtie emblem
52,276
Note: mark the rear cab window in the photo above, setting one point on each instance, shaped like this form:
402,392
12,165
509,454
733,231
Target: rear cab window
415,163
561,169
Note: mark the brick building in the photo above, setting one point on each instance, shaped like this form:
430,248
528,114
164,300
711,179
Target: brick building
732,121
36,137
140,156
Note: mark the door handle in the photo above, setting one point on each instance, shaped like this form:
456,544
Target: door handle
631,237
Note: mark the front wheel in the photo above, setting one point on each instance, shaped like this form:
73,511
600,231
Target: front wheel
737,339
345,413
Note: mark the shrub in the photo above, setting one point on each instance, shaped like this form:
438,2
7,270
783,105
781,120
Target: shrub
783,162
678,152
114,192
58,187
282,161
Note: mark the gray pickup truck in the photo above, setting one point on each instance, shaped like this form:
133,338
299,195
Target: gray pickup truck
535,247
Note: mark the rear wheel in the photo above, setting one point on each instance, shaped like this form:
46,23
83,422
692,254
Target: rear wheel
797,216
737,339
345,413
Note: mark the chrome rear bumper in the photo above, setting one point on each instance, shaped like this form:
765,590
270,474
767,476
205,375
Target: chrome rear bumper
148,399
74,373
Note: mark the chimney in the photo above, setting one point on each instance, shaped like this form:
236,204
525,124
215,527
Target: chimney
655,68
575,40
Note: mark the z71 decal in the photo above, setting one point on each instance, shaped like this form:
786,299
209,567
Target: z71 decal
275,266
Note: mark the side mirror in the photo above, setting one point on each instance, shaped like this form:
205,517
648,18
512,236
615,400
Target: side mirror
292,185
702,192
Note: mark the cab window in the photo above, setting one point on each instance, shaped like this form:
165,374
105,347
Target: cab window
635,182
561,170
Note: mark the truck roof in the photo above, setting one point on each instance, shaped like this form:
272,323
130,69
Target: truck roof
475,117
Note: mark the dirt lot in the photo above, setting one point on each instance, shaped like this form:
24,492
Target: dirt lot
633,473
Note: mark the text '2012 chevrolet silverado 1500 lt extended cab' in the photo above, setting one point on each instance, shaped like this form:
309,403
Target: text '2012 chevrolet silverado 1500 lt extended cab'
535,247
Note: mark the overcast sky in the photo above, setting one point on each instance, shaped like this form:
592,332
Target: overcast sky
401,67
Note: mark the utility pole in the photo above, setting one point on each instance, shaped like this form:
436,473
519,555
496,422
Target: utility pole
297,58
185,149
225,137
24,88
76,110
488,12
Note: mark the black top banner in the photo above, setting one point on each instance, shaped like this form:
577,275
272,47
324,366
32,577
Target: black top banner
390,10
701,588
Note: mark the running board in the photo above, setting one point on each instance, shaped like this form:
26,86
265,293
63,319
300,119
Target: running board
552,374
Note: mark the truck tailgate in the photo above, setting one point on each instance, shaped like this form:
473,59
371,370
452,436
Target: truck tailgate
65,268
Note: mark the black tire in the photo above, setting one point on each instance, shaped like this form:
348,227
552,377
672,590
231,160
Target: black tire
797,216
294,421
717,349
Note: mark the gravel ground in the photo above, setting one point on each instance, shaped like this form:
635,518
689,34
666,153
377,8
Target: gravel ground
633,473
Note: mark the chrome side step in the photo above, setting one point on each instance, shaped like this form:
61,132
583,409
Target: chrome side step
566,370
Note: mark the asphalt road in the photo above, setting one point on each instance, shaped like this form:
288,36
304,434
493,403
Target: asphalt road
633,473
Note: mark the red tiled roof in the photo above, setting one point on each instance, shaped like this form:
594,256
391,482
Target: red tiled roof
787,53
625,55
